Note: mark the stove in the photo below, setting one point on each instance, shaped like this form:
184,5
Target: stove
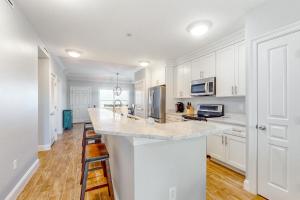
194,117
206,111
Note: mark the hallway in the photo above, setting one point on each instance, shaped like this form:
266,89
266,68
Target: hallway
59,174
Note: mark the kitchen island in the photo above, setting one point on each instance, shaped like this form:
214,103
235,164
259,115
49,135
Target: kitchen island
151,161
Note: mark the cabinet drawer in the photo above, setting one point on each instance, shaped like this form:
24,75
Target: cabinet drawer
237,131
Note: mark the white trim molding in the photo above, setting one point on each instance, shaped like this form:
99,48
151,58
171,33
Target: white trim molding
229,40
23,181
46,147
251,182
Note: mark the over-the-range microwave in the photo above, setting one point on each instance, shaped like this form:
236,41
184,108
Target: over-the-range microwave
204,87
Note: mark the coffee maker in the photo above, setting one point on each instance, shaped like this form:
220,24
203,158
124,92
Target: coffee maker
179,107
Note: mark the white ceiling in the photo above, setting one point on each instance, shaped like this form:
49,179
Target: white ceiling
98,28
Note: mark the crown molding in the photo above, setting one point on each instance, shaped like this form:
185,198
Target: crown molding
231,39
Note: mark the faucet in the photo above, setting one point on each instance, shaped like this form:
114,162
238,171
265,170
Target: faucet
114,104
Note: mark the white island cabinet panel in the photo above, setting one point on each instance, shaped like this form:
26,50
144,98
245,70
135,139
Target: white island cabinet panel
147,159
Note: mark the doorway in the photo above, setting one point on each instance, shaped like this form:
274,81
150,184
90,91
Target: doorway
47,102
80,101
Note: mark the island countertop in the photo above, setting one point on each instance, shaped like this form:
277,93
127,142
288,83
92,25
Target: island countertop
109,123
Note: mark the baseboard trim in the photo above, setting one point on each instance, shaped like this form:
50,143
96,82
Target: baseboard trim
247,185
46,147
23,181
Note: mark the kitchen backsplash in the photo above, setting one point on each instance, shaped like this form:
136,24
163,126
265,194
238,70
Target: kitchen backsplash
231,104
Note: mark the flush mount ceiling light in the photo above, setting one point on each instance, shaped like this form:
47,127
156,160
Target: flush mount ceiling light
73,53
144,63
199,28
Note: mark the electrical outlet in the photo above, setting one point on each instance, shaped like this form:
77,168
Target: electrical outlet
15,164
172,193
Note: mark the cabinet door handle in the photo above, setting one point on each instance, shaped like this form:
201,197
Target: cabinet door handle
222,139
226,140
232,90
236,90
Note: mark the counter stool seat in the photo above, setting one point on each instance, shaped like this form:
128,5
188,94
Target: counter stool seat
96,153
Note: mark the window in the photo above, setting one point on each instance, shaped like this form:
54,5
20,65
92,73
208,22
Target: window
106,97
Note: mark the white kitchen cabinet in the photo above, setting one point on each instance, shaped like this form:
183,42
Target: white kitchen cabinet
158,76
228,148
240,69
204,67
230,71
225,71
215,147
236,151
183,81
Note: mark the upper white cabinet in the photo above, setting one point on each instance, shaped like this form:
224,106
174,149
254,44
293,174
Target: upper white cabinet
158,76
182,76
230,71
240,69
204,67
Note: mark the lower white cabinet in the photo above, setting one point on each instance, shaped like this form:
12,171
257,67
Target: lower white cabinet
215,147
236,151
228,149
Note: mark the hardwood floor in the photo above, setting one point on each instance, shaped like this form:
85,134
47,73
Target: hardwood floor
58,176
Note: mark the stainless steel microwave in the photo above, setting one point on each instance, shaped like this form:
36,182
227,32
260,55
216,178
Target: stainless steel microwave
204,87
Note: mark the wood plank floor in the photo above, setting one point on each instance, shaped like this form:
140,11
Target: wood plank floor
58,176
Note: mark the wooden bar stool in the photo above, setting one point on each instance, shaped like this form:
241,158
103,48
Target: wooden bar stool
96,153
88,126
89,137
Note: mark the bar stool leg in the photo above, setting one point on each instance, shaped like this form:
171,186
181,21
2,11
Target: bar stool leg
109,180
85,176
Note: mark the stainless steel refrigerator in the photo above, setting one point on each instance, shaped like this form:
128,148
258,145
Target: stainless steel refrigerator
157,103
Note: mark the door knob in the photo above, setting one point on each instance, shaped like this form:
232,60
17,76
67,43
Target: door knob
261,127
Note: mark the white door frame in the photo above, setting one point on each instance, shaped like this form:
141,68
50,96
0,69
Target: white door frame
53,110
251,181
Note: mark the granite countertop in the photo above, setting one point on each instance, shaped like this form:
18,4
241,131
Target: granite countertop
110,123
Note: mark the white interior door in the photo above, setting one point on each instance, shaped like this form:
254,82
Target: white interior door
80,101
53,108
279,118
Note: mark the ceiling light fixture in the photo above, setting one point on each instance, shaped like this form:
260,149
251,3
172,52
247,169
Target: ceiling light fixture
199,28
144,63
73,53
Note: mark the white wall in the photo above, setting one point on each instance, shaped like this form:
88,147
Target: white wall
271,15
19,96
96,86
43,101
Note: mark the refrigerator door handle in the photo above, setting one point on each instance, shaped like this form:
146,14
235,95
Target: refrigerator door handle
152,109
